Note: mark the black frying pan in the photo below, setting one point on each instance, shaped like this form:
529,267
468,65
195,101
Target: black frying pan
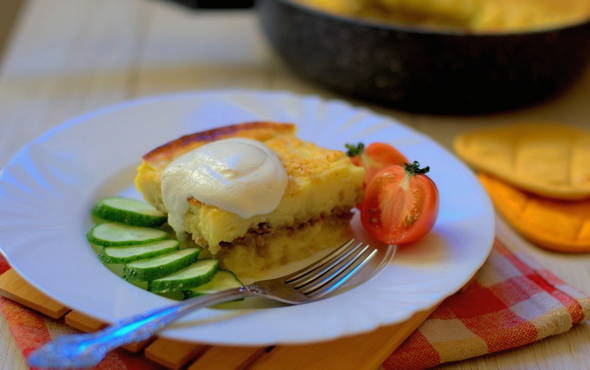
423,70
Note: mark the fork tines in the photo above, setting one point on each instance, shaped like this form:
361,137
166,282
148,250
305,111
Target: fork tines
332,271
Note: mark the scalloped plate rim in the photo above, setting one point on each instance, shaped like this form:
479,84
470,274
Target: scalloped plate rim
138,102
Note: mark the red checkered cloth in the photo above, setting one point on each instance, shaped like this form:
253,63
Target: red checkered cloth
512,302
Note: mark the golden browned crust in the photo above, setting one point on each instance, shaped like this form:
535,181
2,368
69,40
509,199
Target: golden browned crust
255,130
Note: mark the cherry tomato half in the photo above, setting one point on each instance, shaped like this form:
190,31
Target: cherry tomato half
400,205
375,157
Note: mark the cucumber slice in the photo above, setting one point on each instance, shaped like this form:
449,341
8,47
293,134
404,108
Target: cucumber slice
196,274
222,280
115,268
138,252
112,234
177,296
128,211
140,284
157,267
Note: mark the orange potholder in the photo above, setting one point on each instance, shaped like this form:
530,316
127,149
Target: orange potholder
557,225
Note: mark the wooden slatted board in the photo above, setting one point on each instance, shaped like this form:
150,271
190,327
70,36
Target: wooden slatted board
360,352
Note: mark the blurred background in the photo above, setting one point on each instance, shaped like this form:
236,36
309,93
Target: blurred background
62,58
321,47
9,10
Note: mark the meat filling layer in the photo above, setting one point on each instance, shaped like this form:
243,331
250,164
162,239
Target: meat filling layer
262,235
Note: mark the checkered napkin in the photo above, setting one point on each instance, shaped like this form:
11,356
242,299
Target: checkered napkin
511,302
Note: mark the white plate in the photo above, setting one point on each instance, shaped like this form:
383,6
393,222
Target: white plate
48,188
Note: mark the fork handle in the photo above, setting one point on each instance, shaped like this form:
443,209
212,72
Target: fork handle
133,329
145,325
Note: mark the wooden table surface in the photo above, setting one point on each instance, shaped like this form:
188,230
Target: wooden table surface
67,57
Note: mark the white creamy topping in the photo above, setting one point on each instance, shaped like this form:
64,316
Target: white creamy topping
237,175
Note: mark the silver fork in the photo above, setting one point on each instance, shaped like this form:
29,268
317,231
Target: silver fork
308,284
